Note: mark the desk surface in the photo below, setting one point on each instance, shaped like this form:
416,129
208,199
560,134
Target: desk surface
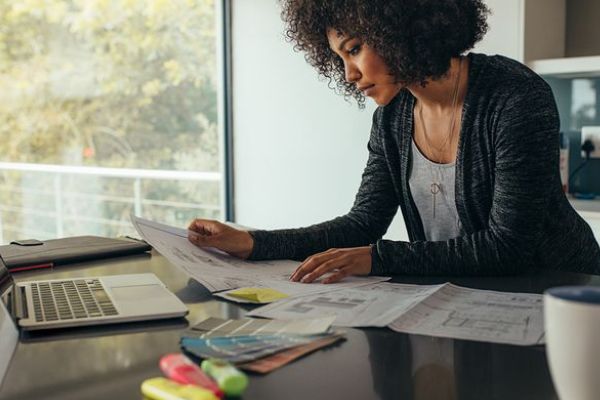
111,362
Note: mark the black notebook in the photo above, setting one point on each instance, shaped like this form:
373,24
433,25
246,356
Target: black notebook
31,254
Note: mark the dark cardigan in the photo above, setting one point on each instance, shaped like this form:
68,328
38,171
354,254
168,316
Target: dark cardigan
508,192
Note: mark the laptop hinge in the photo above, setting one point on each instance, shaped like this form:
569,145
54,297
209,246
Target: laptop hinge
20,302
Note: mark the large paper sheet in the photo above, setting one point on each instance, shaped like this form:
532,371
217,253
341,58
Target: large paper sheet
436,310
482,315
218,271
374,305
295,289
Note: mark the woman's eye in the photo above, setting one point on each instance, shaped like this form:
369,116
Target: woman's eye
354,50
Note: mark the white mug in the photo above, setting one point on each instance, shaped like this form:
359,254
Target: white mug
572,324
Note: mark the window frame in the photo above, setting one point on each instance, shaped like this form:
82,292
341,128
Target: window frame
226,104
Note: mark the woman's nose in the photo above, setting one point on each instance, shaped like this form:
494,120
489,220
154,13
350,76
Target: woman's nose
352,73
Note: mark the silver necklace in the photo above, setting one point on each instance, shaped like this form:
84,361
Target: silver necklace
436,186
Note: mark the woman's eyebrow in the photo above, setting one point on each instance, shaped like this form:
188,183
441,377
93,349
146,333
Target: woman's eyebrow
343,42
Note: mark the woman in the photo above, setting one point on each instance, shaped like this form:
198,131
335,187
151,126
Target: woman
466,145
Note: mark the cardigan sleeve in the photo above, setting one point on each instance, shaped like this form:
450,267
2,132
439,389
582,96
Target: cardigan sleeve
374,208
526,163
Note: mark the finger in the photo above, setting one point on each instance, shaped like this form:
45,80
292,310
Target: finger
327,266
337,276
340,260
310,264
192,225
207,227
192,236
199,226
203,240
296,273
347,270
301,267
195,238
194,232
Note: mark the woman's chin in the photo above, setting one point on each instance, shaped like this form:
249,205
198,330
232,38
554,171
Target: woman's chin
381,101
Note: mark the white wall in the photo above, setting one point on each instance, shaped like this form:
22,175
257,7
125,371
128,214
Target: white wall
505,33
299,149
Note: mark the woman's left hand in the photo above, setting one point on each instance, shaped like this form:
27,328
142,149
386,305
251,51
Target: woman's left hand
339,262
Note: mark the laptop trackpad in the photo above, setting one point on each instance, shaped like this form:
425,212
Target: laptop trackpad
137,293
144,300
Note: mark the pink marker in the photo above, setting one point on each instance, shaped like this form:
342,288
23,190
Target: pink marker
182,370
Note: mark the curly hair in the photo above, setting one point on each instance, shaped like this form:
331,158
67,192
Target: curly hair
415,38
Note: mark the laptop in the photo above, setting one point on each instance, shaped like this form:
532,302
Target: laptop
74,302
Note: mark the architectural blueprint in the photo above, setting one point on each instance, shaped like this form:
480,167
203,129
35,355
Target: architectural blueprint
436,310
374,305
472,314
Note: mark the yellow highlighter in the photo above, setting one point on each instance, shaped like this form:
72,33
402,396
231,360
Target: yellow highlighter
165,389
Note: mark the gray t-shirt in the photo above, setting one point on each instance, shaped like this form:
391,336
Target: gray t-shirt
445,224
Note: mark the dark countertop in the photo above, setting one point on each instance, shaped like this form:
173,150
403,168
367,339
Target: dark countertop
110,362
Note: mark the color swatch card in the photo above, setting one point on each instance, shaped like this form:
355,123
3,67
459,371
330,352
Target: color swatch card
218,327
246,340
245,348
270,363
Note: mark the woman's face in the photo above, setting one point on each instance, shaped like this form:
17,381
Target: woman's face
364,67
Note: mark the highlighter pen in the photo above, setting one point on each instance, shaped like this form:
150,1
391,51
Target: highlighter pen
165,389
231,380
182,370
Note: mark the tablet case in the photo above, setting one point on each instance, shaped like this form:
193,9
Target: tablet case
31,254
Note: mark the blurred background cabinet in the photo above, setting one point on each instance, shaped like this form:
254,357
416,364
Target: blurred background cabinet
560,40
526,30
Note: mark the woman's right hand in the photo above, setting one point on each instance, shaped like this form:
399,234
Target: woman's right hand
209,233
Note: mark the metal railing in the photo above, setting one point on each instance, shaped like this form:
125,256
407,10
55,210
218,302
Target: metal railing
58,192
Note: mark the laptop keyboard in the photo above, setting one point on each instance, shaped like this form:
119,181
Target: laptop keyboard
74,299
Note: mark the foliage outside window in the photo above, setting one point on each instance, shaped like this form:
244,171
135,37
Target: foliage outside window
107,83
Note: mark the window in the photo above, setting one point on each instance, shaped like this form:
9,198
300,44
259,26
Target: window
108,107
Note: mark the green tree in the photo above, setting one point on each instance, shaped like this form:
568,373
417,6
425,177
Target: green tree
112,83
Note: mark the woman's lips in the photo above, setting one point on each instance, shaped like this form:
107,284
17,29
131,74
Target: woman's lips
368,90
